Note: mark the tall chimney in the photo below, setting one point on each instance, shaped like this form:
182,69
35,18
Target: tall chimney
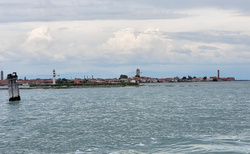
218,74
2,75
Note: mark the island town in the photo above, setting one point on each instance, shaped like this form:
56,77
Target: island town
122,79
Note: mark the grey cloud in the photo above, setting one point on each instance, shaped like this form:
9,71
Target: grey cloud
182,51
242,5
207,48
213,36
57,10
63,29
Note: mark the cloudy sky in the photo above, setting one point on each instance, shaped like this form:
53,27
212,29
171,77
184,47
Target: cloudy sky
106,38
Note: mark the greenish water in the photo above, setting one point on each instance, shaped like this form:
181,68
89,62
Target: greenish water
156,118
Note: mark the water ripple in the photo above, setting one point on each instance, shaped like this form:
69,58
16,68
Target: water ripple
175,118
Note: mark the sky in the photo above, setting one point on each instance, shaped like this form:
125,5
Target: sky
107,38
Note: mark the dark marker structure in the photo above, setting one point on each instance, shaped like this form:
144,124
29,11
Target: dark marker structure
13,87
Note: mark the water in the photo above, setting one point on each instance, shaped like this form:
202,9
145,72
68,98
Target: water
156,118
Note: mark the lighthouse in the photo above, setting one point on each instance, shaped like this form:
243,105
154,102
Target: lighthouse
54,76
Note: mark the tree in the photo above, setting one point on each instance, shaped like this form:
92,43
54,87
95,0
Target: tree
123,76
184,78
177,78
189,77
205,78
61,81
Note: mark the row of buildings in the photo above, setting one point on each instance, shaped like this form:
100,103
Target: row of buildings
136,79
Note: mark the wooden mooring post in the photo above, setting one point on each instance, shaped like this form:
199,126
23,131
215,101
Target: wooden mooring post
13,87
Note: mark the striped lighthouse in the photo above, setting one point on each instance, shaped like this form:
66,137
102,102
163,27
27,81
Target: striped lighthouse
54,76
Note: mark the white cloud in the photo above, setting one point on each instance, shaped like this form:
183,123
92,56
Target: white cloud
155,46
199,38
4,44
2,58
39,43
217,19
128,43
38,34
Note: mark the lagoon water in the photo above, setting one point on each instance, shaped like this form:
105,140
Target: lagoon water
204,117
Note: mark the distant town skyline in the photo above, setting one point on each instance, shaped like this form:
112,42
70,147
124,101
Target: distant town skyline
109,38
123,80
106,75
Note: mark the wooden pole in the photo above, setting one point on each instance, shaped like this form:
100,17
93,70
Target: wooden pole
13,87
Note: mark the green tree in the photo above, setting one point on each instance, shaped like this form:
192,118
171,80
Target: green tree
61,81
189,77
64,80
123,76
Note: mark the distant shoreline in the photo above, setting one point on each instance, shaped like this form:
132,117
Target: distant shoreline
73,86
96,85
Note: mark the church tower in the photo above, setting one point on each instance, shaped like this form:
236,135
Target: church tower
138,73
